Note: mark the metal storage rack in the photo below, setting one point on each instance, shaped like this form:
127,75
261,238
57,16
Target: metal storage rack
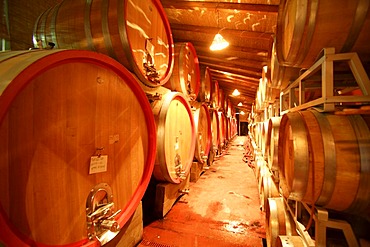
330,100
327,101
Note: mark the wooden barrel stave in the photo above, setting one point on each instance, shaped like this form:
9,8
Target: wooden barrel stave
54,115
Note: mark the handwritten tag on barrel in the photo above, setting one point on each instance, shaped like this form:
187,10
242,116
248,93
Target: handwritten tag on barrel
98,164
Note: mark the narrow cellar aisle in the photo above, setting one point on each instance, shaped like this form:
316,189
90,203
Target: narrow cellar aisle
222,208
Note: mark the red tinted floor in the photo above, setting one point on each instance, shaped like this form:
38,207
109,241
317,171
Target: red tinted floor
222,208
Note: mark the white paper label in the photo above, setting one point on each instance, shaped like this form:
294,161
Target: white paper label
98,164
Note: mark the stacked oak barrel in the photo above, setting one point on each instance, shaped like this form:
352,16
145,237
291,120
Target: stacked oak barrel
306,156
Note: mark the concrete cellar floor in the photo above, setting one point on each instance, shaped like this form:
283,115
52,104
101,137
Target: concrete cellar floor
221,209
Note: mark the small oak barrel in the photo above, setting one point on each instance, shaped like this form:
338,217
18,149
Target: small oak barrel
136,33
272,141
305,27
215,122
175,138
281,75
324,160
202,120
268,188
205,88
186,73
278,221
60,110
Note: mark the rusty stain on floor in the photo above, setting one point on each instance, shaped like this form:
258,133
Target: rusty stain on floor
222,208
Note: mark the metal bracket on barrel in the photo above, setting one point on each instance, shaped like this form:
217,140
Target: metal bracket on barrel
100,214
180,172
148,62
153,97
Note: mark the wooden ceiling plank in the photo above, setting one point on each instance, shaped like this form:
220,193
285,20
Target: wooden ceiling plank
247,65
236,75
242,51
232,69
230,32
220,5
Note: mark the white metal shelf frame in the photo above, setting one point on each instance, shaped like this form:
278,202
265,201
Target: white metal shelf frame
322,223
327,99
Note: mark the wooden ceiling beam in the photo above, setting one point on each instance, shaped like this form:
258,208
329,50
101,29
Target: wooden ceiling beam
244,91
178,4
246,65
241,71
237,76
231,32
248,87
203,47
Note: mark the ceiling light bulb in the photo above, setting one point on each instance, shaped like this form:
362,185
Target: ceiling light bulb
242,113
236,92
218,43
240,104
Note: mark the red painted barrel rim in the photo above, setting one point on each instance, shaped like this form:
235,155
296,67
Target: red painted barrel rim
65,56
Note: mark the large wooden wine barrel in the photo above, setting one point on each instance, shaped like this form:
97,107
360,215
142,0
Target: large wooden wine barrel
228,129
186,73
205,89
305,27
278,221
175,137
202,120
215,129
234,127
229,108
221,99
136,33
222,129
215,95
69,120
324,160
